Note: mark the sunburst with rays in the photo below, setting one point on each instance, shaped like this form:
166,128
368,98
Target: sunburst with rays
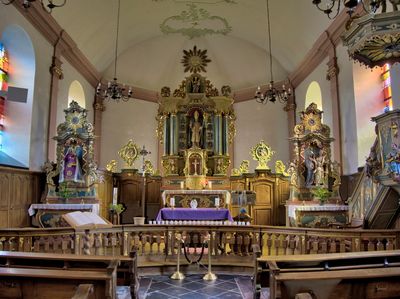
195,61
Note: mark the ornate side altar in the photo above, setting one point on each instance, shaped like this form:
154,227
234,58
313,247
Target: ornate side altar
72,179
313,172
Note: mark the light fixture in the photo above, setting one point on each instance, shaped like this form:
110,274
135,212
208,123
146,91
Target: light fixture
271,94
115,91
332,7
48,5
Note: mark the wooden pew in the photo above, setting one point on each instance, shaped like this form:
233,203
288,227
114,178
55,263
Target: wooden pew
43,275
336,275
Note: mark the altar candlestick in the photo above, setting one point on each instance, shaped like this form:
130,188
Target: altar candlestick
172,202
182,185
217,201
209,184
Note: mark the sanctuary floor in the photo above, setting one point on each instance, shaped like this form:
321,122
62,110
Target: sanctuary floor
194,287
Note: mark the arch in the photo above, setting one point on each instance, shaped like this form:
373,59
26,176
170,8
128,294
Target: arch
76,93
314,95
18,112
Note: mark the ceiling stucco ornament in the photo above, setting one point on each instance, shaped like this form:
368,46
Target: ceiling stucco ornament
195,61
374,40
195,22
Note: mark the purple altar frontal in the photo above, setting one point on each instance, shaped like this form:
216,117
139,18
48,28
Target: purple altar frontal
194,214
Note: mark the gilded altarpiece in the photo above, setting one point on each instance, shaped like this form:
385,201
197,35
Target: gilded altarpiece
196,125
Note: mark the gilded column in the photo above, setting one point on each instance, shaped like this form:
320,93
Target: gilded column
173,138
225,138
56,75
99,108
166,135
218,134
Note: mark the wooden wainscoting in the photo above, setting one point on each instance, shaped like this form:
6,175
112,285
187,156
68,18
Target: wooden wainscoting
264,186
18,189
153,196
105,191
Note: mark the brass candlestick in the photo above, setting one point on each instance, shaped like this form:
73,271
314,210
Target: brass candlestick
178,275
209,275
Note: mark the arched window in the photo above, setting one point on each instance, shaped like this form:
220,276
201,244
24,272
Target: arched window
77,94
387,87
314,95
3,87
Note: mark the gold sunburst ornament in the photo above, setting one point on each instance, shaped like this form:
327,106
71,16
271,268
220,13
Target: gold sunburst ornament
195,61
262,153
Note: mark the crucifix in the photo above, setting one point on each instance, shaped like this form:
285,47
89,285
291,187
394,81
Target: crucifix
195,164
143,152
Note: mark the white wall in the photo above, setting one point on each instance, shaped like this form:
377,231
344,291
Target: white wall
40,97
135,119
256,121
369,102
347,112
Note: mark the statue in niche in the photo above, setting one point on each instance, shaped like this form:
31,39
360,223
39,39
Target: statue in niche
71,165
319,170
292,172
196,83
310,163
393,159
196,128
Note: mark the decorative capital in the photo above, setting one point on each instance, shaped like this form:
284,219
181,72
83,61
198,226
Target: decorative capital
333,69
99,106
290,107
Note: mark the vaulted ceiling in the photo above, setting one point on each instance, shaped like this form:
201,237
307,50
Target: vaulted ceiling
150,58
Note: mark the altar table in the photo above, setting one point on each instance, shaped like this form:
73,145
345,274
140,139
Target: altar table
224,194
49,215
315,215
194,214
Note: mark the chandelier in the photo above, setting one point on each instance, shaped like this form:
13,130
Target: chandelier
271,94
332,7
113,90
48,5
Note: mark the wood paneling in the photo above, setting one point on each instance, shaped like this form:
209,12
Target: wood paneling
105,191
153,197
130,194
18,189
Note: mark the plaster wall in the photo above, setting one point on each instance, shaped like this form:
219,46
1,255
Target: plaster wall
347,112
36,135
369,102
122,121
256,122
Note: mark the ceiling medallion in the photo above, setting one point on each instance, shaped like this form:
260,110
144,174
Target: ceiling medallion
195,61
195,22
374,40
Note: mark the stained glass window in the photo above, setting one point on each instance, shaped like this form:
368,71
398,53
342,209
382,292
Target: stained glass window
4,65
387,87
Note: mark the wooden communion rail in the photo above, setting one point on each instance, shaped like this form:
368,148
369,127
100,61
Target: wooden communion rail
229,245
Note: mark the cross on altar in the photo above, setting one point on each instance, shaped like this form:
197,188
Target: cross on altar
195,164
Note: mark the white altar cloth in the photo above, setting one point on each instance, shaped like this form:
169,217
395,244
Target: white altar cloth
95,208
225,193
292,208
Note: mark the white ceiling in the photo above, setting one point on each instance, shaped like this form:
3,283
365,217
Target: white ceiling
150,59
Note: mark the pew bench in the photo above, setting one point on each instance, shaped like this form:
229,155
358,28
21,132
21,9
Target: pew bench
43,275
337,275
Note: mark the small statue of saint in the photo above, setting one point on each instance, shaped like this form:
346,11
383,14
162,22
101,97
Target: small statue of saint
319,170
196,128
71,169
310,164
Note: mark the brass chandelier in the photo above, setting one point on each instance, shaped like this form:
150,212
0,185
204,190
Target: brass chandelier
113,90
48,5
272,94
332,7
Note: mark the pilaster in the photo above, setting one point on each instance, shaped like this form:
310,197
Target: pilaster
98,108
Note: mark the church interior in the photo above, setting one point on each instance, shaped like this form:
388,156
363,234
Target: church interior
199,149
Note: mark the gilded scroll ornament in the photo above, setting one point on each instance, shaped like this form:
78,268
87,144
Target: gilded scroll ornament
148,167
129,153
280,168
112,166
244,166
160,128
262,153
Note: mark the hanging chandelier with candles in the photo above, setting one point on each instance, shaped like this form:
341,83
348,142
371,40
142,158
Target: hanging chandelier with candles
113,90
272,94
48,5
332,8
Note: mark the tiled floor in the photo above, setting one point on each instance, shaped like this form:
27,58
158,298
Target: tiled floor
194,287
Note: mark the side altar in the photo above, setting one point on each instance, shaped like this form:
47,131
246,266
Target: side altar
71,180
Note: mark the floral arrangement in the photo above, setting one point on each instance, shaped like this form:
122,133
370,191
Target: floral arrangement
117,208
322,194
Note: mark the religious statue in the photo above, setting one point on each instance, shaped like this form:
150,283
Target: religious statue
196,84
196,128
319,170
310,163
393,159
292,171
71,168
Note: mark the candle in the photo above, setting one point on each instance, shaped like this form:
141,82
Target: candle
172,202
217,201
115,196
182,185
209,184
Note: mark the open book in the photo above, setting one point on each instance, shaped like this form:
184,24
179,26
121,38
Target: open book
80,219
